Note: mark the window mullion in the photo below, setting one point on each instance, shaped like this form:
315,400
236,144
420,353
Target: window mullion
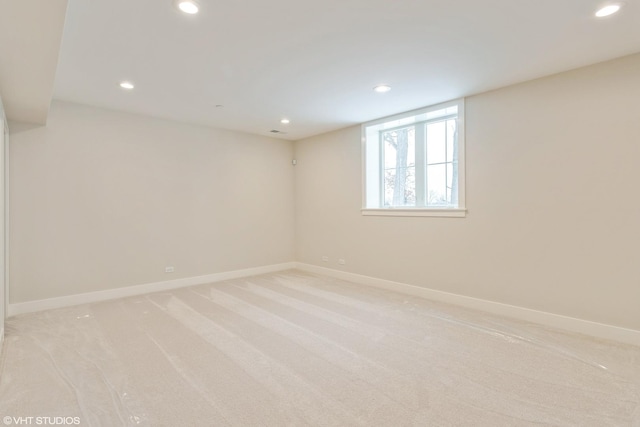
421,162
381,167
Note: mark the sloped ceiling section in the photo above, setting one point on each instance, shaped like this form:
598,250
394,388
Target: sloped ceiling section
30,37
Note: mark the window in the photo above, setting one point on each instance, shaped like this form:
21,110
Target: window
414,163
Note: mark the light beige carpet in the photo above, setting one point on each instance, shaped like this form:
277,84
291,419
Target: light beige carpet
302,350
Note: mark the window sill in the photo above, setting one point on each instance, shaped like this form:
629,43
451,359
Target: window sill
452,213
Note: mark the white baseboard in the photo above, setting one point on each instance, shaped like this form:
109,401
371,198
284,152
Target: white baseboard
594,329
67,301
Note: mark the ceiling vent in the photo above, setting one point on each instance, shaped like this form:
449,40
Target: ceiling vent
277,131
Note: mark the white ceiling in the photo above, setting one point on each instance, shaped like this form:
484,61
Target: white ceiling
317,62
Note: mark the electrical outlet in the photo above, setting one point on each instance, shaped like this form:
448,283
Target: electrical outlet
341,261
169,269
325,258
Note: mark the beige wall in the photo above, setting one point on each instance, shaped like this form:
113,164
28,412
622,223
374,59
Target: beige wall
102,199
553,168
3,291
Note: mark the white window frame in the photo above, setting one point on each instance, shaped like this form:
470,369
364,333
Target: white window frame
373,156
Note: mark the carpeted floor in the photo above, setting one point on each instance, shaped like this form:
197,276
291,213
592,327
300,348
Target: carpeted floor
302,350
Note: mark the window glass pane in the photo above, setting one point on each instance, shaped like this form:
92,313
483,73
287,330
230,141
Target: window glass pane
389,150
399,147
410,188
389,186
437,185
411,151
399,167
436,143
451,135
449,181
400,187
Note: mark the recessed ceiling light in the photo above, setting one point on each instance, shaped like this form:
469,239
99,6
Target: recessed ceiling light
188,6
285,121
382,88
126,85
608,10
